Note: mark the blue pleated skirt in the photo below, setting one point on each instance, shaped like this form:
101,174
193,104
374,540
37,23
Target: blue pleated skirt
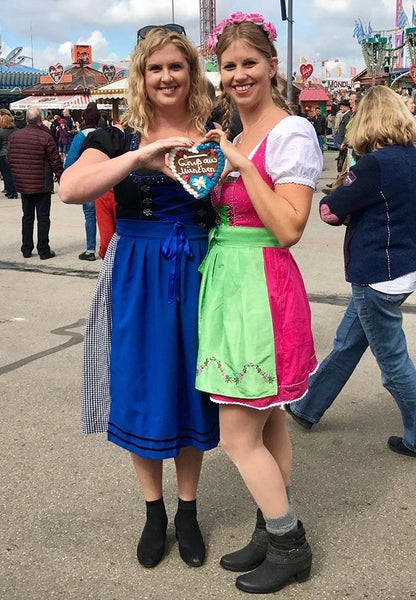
150,287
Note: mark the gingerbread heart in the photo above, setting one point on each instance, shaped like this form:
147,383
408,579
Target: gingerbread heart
56,71
109,72
199,168
306,71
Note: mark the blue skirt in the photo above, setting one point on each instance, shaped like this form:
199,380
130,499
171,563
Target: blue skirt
155,409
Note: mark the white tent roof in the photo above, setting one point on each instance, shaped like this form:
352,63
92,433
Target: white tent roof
214,78
77,101
118,89
114,90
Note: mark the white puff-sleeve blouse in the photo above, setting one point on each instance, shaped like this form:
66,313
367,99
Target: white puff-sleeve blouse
293,154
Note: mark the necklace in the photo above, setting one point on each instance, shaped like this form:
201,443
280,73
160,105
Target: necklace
246,133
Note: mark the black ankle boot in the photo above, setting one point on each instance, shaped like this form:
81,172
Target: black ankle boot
252,555
151,546
188,534
288,557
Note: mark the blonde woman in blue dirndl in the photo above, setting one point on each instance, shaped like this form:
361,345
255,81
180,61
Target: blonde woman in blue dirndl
141,337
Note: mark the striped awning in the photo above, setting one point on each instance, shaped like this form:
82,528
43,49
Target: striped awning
77,101
116,90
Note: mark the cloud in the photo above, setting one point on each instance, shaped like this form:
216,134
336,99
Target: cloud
322,29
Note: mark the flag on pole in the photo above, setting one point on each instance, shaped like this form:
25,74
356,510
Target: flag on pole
359,31
353,71
403,20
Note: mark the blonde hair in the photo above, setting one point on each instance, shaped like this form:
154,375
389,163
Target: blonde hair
6,121
407,100
382,119
256,37
140,111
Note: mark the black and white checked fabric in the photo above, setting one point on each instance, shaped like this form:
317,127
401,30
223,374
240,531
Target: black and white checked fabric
95,395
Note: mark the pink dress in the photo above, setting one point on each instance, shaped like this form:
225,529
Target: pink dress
255,341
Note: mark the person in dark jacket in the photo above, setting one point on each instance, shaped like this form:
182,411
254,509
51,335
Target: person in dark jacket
6,129
377,203
55,125
319,124
33,159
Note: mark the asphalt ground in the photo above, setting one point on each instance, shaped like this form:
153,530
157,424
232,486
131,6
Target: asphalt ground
71,508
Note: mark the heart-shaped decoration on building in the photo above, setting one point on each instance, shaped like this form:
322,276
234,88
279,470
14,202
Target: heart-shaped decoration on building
55,72
412,71
306,71
199,168
109,72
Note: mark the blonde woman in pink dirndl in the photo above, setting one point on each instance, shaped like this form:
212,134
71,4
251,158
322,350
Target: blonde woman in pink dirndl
255,343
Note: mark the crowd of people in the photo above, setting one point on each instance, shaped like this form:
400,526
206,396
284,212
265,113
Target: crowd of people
208,285
24,166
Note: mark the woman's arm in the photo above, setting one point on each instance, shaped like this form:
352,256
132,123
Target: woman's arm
284,210
95,173
360,189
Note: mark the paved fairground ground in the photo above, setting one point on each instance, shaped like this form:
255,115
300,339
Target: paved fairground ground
71,509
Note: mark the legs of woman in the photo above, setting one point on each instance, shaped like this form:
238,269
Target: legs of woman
350,343
90,226
9,186
152,541
188,468
244,436
191,544
149,473
381,318
277,441
242,439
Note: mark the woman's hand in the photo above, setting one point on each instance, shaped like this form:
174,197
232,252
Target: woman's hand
235,160
155,154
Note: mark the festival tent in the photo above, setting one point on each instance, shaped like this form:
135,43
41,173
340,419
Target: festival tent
72,102
14,79
114,92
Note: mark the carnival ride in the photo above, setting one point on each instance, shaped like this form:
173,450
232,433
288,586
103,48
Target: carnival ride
383,50
207,19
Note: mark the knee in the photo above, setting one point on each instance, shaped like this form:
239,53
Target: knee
237,447
231,446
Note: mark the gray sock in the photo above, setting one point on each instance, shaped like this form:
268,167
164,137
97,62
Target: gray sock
282,524
288,494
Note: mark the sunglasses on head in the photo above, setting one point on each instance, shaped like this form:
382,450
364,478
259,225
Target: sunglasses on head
142,33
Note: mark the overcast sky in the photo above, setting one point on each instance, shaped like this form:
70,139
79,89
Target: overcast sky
322,29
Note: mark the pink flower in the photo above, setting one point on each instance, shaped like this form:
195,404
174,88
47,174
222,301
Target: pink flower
256,18
240,17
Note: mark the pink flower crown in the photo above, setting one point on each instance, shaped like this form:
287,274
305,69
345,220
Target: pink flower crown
239,17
